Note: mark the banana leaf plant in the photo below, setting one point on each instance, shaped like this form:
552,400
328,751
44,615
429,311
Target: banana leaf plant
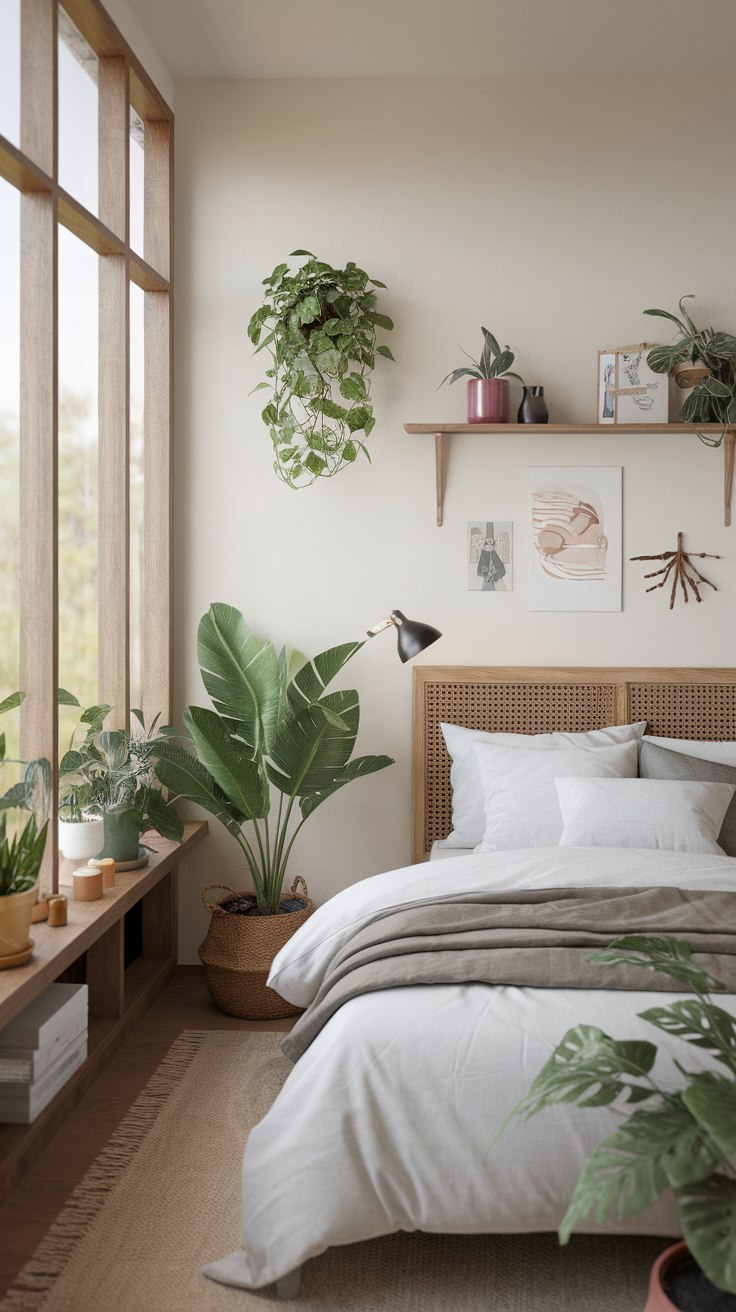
273,749
713,400
684,1140
493,363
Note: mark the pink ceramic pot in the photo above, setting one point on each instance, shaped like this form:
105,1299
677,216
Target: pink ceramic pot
658,1300
488,401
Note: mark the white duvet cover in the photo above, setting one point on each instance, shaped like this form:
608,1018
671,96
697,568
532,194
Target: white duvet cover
386,1122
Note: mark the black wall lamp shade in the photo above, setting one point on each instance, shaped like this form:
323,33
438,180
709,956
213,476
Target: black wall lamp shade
413,636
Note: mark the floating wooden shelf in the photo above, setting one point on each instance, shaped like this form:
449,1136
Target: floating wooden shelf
601,430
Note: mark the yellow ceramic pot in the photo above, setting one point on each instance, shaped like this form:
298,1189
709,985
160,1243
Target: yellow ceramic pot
15,921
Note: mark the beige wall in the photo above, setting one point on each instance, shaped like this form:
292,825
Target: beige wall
551,210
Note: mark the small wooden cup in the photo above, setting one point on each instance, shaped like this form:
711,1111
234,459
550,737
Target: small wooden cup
87,884
107,866
57,909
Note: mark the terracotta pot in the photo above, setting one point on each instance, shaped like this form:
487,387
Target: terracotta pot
15,921
658,1300
238,952
686,374
488,401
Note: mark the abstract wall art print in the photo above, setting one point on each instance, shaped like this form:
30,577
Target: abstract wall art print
490,553
575,531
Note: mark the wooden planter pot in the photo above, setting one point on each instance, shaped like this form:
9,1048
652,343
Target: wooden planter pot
238,952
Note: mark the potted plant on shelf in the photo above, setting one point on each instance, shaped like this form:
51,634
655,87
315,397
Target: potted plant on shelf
109,774
320,326
273,729
488,390
24,813
685,1140
704,361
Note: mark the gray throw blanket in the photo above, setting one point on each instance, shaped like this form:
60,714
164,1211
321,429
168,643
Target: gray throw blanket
538,938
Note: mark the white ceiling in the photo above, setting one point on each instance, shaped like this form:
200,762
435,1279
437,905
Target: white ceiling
440,38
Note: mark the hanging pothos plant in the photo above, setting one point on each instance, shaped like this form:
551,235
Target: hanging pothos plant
320,328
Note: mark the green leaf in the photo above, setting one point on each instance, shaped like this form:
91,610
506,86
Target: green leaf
699,1023
270,415
65,698
258,387
353,387
314,464
664,314
240,673
586,1068
163,818
308,310
661,358
11,702
669,956
708,1217
139,717
310,682
357,418
716,388
460,373
376,283
329,408
315,745
113,745
356,769
228,761
502,362
309,253
2,746
711,1098
490,342
94,716
627,1172
349,451
70,763
383,350
184,776
381,320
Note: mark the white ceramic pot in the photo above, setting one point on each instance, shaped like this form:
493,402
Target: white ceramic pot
81,839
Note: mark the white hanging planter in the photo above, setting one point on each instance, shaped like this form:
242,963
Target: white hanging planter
81,839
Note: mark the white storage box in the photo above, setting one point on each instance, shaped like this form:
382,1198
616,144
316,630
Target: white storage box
24,1065
629,392
49,1015
20,1104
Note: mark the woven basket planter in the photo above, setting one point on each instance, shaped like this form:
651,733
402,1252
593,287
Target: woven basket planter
237,955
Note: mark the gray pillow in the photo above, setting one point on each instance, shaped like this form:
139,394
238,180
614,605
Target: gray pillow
661,763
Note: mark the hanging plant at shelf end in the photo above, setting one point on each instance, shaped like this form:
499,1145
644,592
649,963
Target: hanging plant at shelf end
320,325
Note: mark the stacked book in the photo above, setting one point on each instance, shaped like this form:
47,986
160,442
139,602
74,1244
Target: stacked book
40,1049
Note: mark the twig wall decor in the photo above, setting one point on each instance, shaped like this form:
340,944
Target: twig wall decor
679,562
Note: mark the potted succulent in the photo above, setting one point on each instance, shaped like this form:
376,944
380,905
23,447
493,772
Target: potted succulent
685,1140
320,325
703,361
25,790
109,774
274,732
488,390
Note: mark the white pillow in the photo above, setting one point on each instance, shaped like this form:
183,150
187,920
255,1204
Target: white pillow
468,814
519,787
721,753
676,815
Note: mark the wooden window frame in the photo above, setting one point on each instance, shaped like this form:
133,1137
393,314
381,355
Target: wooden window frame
33,170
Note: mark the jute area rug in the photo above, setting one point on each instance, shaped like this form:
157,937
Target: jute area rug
163,1199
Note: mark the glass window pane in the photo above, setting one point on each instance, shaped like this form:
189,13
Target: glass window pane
78,350
9,487
78,149
137,158
137,304
10,70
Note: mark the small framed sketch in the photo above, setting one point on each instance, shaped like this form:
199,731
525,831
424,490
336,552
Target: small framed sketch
628,391
575,530
490,554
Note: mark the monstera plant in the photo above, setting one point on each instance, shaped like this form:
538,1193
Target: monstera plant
684,1139
273,747
320,330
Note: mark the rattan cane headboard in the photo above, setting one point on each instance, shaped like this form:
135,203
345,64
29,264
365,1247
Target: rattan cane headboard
689,703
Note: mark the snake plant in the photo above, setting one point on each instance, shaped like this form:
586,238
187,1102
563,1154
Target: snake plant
493,363
274,733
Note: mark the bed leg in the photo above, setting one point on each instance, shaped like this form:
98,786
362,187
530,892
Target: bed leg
290,1286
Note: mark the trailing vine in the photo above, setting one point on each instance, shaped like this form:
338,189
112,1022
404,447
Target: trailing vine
320,326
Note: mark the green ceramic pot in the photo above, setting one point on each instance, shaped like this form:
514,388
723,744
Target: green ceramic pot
122,838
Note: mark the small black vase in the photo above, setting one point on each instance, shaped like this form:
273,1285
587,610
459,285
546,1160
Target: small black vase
533,408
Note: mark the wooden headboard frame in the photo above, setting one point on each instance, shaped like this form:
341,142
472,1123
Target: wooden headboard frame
676,703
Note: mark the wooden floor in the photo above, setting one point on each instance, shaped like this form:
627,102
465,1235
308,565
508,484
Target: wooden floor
29,1210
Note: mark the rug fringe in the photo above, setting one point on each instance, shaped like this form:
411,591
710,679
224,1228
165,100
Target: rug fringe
33,1284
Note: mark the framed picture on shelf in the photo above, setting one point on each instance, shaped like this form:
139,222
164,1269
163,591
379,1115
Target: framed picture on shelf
490,549
575,531
628,391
